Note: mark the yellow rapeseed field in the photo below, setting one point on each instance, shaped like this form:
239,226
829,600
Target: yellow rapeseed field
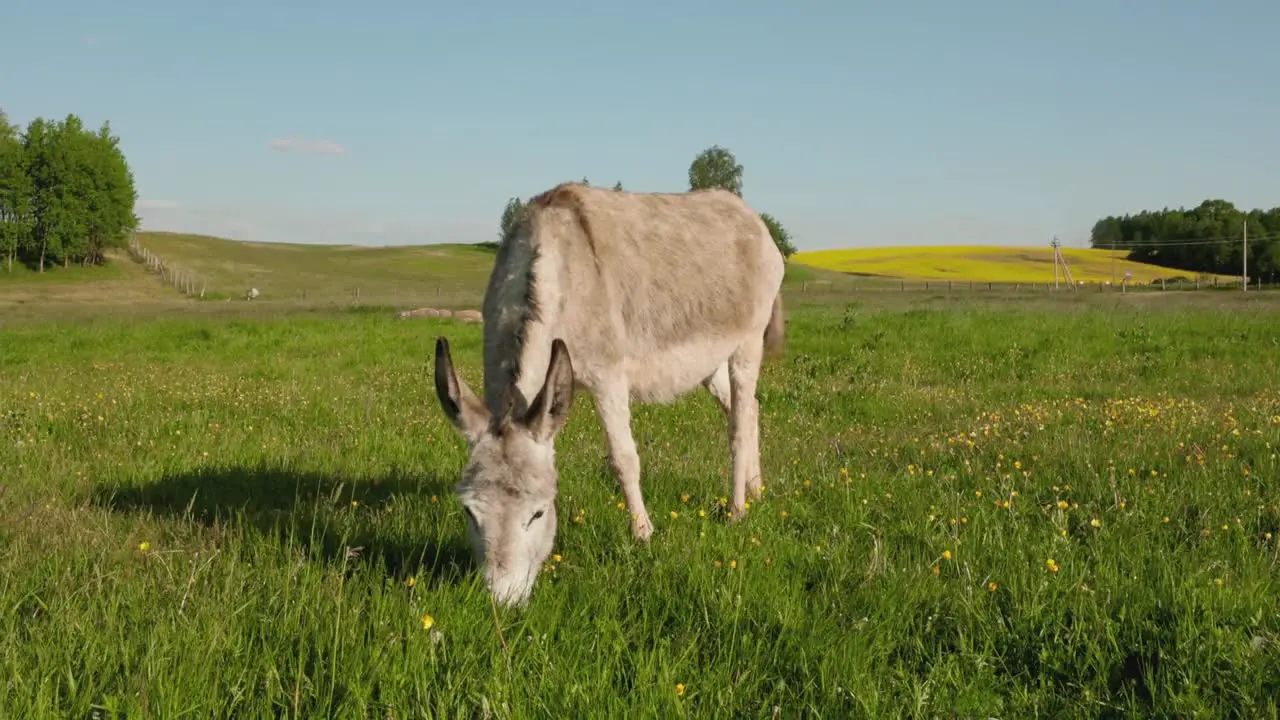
985,263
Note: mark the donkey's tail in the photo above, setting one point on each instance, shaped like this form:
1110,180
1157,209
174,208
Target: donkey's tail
775,333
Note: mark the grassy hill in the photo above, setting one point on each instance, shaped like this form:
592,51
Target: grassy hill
984,263
286,274
295,271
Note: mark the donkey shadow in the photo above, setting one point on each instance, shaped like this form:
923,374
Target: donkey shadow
311,512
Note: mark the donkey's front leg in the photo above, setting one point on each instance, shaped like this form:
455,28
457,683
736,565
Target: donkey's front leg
613,405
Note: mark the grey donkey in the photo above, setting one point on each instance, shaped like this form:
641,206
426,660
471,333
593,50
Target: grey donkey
634,297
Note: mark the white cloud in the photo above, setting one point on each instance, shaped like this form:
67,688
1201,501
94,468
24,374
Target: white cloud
307,147
149,204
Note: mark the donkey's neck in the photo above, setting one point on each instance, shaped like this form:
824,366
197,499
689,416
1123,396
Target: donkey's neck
517,346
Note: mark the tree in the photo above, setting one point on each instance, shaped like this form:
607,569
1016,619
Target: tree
716,167
1207,238
512,215
112,196
618,186
74,156
66,193
781,237
39,144
15,192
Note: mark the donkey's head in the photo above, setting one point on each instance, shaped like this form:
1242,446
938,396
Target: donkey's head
508,487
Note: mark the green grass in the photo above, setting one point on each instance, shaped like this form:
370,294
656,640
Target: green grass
290,474
120,285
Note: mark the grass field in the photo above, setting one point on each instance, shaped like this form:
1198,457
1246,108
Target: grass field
986,263
293,271
121,282
291,277
971,508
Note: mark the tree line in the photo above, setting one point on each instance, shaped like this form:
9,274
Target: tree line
66,193
713,167
1209,238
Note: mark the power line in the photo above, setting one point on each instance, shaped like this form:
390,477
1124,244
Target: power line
1191,242
1194,241
1234,237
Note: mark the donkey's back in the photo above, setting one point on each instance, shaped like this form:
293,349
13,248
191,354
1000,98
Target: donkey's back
665,286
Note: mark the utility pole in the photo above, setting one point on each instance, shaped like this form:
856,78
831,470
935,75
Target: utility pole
1244,260
1054,244
1113,261
1060,259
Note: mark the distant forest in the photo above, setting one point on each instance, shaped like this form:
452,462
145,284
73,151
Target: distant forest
1206,239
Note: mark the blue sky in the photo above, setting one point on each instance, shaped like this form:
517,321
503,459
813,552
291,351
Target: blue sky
858,123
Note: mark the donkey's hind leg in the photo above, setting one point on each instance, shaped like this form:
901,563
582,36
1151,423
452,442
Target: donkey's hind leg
720,386
744,424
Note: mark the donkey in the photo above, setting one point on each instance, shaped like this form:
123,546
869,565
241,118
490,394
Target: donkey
634,297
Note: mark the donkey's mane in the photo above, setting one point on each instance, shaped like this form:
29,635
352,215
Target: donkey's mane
510,306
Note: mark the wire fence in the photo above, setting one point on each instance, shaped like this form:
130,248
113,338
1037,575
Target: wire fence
976,286
181,279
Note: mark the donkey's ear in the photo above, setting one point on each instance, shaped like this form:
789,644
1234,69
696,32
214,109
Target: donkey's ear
465,411
549,410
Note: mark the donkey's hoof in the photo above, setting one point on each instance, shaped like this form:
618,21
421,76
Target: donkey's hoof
642,529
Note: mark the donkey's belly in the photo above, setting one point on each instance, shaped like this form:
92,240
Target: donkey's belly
662,376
